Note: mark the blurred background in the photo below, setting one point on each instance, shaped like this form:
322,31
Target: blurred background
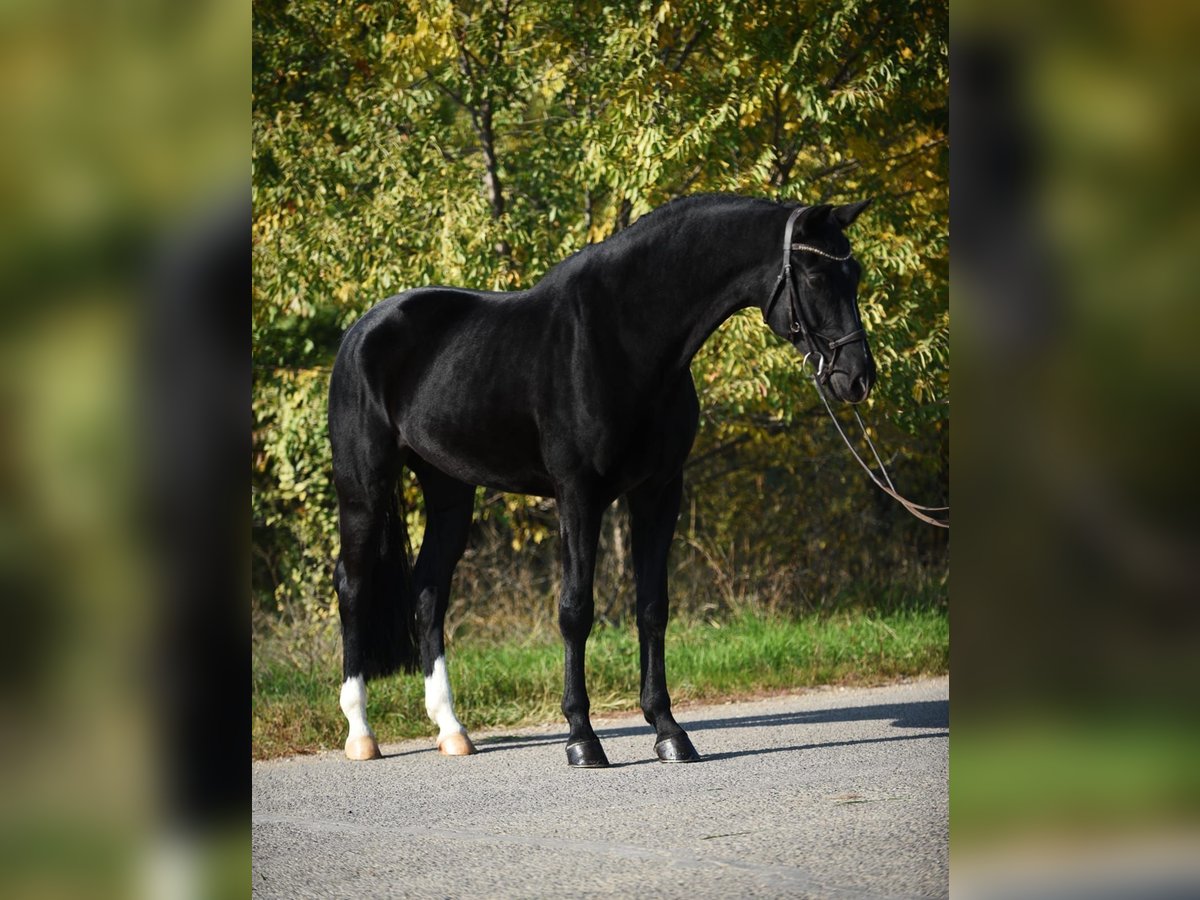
1075,615
124,384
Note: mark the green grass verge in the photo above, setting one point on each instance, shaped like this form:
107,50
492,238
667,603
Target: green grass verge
515,683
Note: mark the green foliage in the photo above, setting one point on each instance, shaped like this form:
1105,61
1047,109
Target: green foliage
295,512
479,143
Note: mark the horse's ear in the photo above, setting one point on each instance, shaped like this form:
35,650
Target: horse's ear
844,216
813,217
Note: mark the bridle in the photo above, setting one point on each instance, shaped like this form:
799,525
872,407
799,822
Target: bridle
801,326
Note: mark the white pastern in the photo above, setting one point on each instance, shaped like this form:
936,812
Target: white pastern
439,701
354,705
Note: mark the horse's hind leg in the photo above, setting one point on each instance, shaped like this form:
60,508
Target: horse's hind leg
653,511
372,575
449,504
361,522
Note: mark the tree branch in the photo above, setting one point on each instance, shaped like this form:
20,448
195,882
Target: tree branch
846,72
718,450
456,97
692,44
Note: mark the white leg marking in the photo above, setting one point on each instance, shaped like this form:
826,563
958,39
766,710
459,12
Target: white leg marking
354,705
439,701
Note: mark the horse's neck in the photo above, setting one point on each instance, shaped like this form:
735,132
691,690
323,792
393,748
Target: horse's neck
687,282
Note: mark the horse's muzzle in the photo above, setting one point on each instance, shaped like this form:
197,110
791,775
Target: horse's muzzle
850,388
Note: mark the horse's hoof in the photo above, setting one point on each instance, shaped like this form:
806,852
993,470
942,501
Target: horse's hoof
676,748
456,744
587,755
362,747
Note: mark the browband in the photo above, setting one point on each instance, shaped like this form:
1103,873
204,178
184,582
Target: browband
787,238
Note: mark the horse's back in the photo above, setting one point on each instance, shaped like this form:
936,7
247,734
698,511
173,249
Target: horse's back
412,331
456,375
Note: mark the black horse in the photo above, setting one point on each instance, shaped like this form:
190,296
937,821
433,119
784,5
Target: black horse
579,389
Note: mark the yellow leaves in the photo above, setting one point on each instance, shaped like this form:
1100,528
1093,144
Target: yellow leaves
750,111
554,79
429,42
506,280
601,228
266,224
534,534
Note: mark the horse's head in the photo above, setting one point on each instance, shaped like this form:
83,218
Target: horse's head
815,305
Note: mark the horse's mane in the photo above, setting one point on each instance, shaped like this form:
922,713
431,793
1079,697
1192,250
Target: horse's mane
681,208
668,217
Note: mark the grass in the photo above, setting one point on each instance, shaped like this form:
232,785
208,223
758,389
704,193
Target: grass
519,682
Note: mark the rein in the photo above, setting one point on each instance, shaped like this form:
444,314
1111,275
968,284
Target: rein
800,328
915,509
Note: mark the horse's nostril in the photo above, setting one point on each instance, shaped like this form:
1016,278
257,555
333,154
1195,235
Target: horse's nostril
861,387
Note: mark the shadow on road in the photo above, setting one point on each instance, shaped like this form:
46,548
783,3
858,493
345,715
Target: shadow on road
925,714
733,754
918,714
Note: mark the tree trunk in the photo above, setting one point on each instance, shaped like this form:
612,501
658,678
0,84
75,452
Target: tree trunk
491,172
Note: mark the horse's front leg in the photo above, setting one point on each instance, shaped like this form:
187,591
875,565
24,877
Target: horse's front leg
653,512
579,524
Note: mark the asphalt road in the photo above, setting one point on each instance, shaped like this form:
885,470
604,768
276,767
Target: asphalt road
828,793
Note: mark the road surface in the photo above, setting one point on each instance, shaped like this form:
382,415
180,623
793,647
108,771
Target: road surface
827,793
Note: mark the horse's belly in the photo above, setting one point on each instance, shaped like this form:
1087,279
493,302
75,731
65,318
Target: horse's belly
503,455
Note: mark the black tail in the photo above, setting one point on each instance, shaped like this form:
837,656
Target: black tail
380,636
392,620
377,606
